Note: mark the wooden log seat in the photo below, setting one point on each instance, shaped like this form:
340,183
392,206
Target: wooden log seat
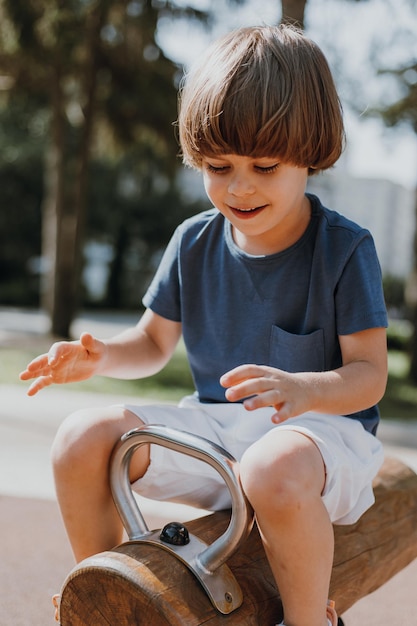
139,584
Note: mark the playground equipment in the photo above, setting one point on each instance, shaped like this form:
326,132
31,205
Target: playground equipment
214,571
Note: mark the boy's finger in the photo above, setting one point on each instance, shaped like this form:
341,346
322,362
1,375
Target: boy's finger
34,368
239,374
88,341
39,361
38,384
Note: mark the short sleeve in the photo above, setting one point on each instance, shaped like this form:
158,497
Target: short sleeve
360,302
163,294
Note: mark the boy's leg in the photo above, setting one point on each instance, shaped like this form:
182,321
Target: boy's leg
283,476
80,457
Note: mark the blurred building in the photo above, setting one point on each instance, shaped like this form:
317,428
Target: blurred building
385,208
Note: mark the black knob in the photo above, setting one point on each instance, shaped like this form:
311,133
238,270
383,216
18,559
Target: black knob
175,533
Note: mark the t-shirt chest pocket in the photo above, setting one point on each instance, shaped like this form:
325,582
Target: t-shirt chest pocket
297,353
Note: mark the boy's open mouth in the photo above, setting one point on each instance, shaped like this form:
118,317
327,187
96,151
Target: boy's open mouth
249,212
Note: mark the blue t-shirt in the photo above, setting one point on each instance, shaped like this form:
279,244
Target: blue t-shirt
285,310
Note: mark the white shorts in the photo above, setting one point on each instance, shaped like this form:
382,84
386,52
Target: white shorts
351,455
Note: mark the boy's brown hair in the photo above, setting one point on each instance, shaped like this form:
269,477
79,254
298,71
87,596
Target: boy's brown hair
262,92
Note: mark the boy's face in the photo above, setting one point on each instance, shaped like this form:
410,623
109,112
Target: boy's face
262,198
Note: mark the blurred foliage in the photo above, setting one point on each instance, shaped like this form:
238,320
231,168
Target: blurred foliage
87,103
100,58
21,195
135,210
394,292
399,334
132,207
403,110
400,399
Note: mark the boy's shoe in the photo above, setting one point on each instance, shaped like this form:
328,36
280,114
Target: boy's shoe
331,613
55,601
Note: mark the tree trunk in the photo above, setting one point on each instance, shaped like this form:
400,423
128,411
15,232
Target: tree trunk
114,295
60,223
53,201
66,190
293,12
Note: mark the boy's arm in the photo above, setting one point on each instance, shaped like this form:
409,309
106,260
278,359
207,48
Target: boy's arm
143,350
357,385
135,353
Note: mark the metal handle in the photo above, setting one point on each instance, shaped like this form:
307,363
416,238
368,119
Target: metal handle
241,521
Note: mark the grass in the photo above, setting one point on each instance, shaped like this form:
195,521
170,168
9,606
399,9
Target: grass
400,401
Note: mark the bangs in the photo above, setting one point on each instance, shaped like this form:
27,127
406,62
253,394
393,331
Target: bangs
250,121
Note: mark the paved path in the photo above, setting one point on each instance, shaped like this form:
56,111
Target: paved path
35,556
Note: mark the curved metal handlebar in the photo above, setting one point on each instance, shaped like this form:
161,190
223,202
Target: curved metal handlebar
241,521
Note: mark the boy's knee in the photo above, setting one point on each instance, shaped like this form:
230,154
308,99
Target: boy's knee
85,440
277,482
72,438
85,436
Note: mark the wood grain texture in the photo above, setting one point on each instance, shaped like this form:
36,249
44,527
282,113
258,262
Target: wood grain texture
139,584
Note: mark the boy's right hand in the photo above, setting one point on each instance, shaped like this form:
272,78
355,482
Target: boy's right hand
66,362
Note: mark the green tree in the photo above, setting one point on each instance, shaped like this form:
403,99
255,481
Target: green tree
404,110
21,195
395,65
97,70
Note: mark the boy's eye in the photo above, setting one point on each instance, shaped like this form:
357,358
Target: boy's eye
216,169
261,169
267,169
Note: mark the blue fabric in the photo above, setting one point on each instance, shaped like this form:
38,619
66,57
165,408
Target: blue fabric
285,310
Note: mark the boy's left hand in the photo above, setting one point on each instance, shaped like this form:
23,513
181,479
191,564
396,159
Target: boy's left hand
263,386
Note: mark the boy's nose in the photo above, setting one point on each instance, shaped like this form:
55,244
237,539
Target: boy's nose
241,186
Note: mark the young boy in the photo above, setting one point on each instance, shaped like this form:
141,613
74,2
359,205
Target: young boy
280,304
